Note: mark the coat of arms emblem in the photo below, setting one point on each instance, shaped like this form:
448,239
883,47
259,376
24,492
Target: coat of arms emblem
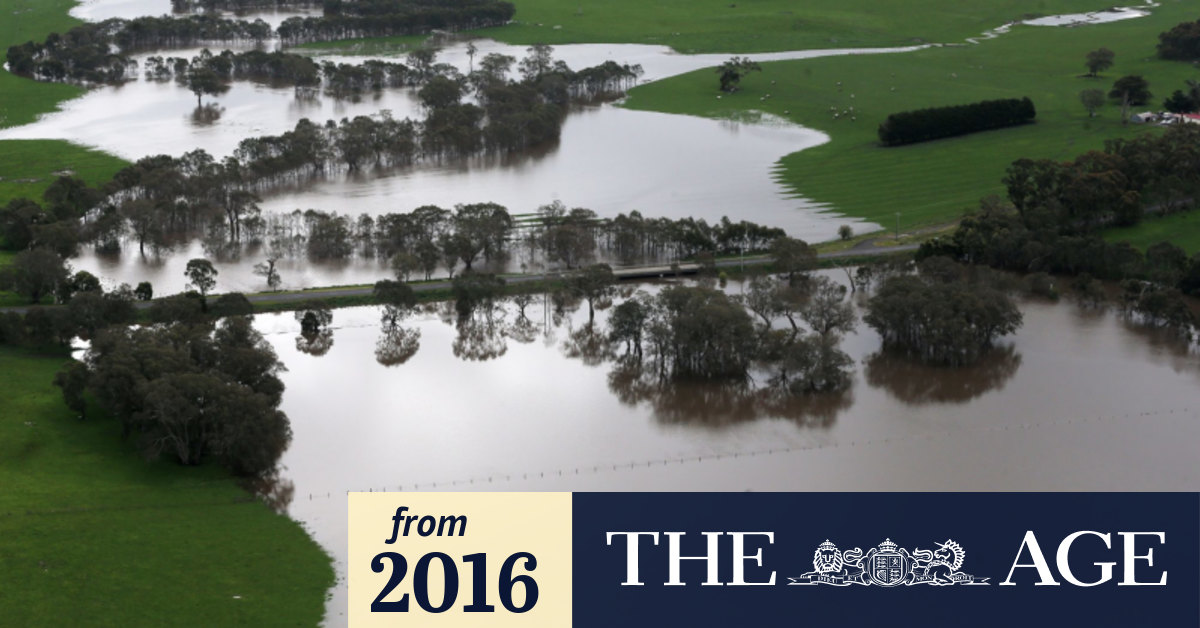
888,565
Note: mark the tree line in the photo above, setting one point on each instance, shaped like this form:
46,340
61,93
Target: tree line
1181,42
402,18
923,125
193,6
160,199
1054,211
418,243
87,53
200,383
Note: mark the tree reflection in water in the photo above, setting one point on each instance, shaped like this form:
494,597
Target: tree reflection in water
916,384
523,330
587,344
722,402
481,335
316,337
207,115
316,343
276,492
396,345
1180,351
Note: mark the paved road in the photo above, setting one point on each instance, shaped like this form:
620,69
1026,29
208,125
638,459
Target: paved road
355,291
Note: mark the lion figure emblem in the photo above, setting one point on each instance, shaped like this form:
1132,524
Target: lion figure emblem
828,561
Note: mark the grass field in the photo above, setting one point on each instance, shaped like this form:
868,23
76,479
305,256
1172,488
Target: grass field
26,166
92,535
1183,230
95,536
31,165
767,25
935,181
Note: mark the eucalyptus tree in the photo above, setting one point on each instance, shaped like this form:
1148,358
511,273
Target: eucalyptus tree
202,276
35,273
593,284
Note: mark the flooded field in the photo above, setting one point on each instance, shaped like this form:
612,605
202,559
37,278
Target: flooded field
1075,401
608,159
100,10
682,166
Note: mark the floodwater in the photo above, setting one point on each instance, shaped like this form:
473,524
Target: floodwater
1096,17
609,159
1076,401
100,10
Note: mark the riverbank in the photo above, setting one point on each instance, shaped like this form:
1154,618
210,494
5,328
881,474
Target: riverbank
94,535
28,167
935,181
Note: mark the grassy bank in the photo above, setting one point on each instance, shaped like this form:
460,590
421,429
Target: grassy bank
31,165
94,535
693,26
935,181
1181,229
27,167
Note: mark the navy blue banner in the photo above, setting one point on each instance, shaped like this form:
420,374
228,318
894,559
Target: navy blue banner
886,559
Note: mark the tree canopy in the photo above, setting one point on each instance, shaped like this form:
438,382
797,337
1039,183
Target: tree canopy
1099,60
732,71
193,392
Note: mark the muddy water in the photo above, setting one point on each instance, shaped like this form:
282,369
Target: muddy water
1075,401
608,159
100,10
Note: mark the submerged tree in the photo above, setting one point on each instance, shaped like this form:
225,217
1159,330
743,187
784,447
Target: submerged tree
941,320
202,81
266,270
592,284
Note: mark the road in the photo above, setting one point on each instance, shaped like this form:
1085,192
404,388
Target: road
356,291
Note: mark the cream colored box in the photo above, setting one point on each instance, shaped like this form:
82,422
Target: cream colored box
459,525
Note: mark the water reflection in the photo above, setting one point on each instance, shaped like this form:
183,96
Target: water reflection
588,344
316,337
536,419
315,343
721,403
524,330
206,115
481,337
396,345
100,10
920,384
275,491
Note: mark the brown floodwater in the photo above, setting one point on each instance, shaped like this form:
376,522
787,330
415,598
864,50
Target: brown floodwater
1076,400
100,10
609,159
